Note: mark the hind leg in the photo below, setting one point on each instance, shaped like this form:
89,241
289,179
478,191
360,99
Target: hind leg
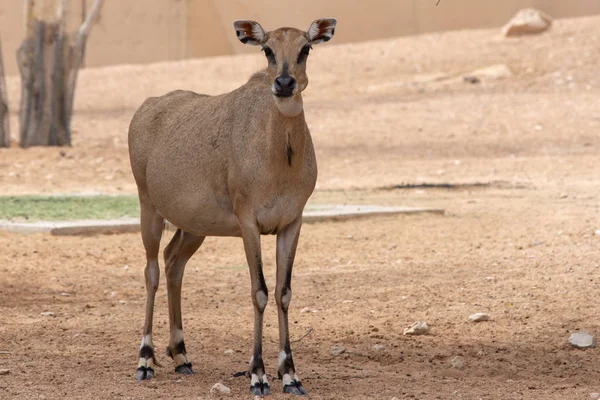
152,228
181,248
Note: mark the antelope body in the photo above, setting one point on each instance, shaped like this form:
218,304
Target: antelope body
238,164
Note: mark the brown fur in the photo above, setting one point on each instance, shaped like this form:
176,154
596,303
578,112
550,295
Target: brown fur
237,164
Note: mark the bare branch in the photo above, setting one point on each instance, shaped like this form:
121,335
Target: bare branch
29,13
76,55
92,18
4,117
61,12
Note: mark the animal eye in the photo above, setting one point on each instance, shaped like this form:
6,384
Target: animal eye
304,53
269,54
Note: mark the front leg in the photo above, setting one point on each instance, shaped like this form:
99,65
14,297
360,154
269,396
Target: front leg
259,386
287,241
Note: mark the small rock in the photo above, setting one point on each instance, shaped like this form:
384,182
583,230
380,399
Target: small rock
563,196
594,396
229,352
219,388
479,317
527,21
65,294
4,371
48,314
113,294
336,350
418,328
582,340
458,362
378,347
597,233
352,301
308,310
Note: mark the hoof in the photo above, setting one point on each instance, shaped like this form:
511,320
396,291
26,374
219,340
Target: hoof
260,389
144,373
185,369
295,388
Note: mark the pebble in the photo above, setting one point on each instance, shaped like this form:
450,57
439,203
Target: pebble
4,371
219,388
458,362
479,317
582,340
378,347
594,396
597,233
48,314
336,350
308,310
418,328
229,352
352,301
113,294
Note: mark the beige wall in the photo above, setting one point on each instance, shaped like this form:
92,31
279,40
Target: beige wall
141,31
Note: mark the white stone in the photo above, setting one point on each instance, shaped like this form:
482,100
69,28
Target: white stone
378,347
582,340
458,362
113,294
527,21
597,233
493,72
418,328
219,388
594,396
308,310
229,352
48,314
479,317
336,350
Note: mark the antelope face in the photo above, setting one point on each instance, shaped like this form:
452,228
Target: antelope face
286,50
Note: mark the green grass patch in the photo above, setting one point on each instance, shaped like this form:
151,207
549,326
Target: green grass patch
60,208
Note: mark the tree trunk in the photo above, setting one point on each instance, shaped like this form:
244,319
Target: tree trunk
4,116
41,63
48,62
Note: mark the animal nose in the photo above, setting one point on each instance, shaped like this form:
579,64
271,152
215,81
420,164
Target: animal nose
284,86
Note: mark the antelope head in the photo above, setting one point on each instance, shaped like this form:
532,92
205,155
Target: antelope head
286,50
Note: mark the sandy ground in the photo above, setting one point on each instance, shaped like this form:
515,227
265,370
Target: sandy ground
382,113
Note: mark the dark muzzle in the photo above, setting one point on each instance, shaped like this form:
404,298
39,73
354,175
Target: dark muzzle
284,86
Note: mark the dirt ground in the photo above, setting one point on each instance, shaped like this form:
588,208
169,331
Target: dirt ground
522,249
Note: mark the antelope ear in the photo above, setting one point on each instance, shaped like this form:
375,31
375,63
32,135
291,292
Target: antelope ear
249,32
321,30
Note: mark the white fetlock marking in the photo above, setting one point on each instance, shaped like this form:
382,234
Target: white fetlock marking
145,363
281,359
147,341
177,336
287,380
254,380
265,380
296,379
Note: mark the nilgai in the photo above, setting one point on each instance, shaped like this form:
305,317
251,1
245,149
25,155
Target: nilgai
238,164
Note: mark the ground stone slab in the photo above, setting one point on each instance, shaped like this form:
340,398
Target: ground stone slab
315,213
582,340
